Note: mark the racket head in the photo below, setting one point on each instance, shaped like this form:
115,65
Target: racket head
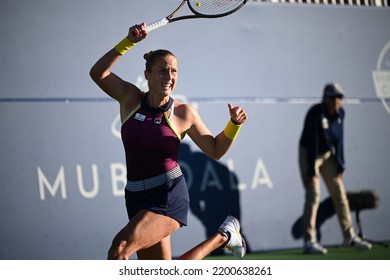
214,8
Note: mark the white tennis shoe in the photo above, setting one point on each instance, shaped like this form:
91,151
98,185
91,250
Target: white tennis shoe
314,248
358,243
236,243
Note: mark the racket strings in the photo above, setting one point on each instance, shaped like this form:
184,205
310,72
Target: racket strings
214,7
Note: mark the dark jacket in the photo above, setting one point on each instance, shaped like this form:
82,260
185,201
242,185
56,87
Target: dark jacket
322,133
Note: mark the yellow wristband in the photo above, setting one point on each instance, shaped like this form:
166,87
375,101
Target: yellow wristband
231,130
123,46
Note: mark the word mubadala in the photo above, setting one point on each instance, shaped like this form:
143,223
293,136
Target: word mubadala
209,174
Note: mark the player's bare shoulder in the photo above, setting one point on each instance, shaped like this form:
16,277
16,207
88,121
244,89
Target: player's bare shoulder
185,116
184,111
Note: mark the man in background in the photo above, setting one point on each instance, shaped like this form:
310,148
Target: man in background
321,153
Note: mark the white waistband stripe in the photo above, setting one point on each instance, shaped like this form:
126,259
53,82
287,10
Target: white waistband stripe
150,183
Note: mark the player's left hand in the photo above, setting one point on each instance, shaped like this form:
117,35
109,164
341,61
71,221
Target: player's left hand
237,114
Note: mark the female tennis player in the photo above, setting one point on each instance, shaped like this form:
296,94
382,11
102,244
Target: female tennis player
153,124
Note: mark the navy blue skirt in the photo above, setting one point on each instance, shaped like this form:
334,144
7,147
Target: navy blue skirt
170,199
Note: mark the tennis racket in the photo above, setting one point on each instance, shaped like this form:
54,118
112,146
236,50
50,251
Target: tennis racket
200,9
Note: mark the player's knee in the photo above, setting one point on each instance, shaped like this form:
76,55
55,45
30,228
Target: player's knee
117,250
121,251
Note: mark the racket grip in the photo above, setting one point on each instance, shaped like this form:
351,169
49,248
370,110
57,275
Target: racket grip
157,24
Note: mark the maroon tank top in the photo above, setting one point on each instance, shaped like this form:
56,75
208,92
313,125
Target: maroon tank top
150,142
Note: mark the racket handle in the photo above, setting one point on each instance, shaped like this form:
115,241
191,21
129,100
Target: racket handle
157,24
